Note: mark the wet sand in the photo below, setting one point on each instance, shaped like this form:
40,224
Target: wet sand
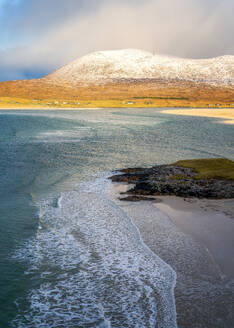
211,222
196,241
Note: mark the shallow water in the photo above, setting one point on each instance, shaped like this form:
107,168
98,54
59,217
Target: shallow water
69,255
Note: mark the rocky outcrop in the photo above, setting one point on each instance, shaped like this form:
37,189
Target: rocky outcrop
173,180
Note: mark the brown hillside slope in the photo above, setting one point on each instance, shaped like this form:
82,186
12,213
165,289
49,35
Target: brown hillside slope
161,93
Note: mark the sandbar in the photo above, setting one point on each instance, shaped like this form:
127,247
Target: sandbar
226,114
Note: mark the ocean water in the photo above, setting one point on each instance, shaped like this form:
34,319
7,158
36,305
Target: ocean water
70,255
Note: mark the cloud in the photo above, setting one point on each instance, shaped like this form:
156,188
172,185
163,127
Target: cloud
54,35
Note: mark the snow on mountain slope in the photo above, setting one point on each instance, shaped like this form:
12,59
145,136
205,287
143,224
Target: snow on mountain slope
105,66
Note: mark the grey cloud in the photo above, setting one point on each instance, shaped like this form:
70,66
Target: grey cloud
186,28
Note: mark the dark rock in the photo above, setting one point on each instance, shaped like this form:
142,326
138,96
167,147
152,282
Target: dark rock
137,198
172,180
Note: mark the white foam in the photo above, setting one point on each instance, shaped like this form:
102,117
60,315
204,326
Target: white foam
94,268
65,136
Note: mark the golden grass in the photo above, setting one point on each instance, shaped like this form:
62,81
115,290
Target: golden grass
220,168
9,103
42,93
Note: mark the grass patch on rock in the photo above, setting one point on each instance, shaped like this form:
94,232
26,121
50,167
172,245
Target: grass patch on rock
211,168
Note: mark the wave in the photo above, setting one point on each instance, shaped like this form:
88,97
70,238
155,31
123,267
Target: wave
94,270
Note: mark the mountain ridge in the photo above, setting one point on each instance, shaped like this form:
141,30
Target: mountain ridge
126,78
132,64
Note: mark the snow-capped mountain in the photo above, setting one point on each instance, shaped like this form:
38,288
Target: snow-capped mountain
106,66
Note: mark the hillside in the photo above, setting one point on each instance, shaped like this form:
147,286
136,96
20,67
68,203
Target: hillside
128,78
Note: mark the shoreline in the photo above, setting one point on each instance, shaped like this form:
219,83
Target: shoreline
171,228
203,219
210,225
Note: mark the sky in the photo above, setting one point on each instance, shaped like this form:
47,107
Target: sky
38,36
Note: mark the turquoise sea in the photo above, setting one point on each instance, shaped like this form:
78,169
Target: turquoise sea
70,256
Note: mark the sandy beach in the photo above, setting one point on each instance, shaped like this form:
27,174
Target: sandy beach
211,222
195,237
226,114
